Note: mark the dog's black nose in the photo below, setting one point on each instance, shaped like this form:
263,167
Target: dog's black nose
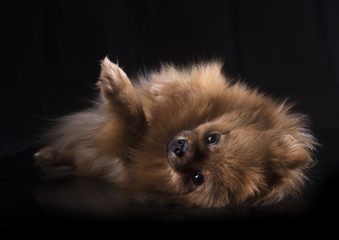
179,147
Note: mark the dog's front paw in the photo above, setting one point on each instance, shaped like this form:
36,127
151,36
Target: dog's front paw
112,78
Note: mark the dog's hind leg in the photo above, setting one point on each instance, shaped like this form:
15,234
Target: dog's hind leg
49,157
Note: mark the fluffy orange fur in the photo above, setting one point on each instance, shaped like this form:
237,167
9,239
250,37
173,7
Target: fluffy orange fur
186,136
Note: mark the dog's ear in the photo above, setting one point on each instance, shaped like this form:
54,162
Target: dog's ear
289,172
297,153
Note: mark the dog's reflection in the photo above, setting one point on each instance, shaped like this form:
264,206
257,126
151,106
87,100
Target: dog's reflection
79,196
75,195
82,196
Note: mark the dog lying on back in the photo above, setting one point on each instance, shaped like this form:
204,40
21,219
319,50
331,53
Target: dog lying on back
186,136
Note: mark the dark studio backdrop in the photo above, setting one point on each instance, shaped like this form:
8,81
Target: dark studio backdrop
50,54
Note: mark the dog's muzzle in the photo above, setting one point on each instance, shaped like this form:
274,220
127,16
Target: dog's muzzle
179,151
179,147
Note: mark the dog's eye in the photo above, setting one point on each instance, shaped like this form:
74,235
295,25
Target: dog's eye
198,178
211,139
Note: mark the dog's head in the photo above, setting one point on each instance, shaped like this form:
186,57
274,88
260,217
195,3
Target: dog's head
220,163
222,145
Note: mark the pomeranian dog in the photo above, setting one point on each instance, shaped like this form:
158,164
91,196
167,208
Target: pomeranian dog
187,136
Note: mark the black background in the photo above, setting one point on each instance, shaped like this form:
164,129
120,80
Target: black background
50,54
